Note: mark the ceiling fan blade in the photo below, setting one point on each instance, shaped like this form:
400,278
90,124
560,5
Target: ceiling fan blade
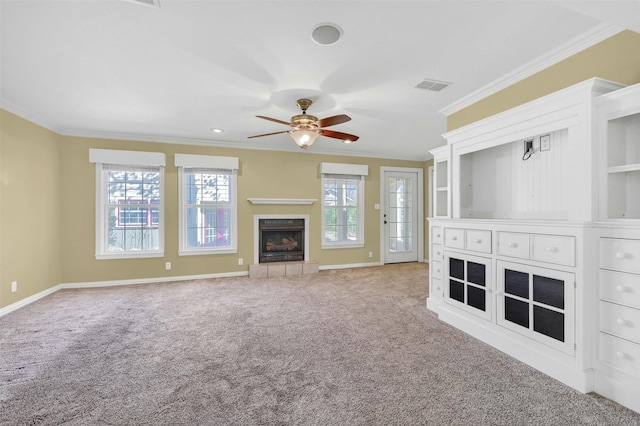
332,121
274,120
339,135
268,134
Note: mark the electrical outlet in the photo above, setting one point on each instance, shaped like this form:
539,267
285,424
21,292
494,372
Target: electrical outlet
14,286
370,254
240,261
167,266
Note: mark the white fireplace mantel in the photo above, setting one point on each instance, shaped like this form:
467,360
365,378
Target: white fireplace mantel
300,201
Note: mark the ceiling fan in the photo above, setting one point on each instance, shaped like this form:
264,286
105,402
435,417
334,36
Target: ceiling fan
307,128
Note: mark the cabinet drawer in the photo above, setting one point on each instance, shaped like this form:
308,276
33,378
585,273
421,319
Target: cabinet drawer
513,244
436,269
436,234
454,238
478,241
620,287
620,321
556,249
436,287
620,353
620,254
436,252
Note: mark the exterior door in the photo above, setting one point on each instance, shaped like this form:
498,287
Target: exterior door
402,202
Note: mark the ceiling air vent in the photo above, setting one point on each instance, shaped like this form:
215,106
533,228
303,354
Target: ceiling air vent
433,85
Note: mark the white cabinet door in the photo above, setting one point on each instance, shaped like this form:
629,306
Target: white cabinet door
537,303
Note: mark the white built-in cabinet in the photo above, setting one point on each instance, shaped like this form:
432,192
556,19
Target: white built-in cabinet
538,253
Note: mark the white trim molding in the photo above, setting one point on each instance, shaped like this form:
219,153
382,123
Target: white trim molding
562,52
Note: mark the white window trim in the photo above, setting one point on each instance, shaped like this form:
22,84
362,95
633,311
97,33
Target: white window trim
130,159
333,169
213,163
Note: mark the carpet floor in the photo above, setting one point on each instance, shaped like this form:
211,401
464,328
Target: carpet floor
341,347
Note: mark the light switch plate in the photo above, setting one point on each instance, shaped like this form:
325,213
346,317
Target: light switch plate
545,143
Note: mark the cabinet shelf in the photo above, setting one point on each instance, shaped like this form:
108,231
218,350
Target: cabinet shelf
624,169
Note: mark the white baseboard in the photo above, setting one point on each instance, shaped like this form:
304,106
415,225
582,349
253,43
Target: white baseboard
27,300
91,284
351,265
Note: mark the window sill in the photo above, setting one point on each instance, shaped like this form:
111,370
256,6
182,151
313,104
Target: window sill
342,246
129,255
206,252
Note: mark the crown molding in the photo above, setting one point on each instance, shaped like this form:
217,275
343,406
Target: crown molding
9,107
577,44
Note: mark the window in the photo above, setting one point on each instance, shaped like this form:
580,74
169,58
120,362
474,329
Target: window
342,205
207,190
129,203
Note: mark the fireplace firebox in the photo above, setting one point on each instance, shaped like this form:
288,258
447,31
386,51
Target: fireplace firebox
281,240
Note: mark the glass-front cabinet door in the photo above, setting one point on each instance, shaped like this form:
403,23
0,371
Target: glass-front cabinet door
468,283
537,303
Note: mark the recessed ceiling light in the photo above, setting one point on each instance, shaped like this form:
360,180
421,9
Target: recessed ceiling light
326,34
216,130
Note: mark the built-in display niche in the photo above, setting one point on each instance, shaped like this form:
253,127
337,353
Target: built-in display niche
504,182
623,172
537,303
468,283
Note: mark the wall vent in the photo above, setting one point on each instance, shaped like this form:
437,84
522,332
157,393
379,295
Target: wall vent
433,85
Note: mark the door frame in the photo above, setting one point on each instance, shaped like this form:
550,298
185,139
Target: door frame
420,215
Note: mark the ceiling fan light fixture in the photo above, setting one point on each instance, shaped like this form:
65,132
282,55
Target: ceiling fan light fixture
304,138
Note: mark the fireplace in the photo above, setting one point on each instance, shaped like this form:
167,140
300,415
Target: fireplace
281,239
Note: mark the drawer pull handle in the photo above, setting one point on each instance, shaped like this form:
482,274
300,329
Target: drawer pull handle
513,245
621,255
438,235
621,355
478,241
552,249
620,321
454,238
621,288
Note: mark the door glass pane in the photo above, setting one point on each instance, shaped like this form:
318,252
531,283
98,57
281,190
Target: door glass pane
456,290
456,268
516,311
548,322
516,283
400,222
476,297
475,273
548,291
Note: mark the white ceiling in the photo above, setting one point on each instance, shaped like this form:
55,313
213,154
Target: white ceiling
114,68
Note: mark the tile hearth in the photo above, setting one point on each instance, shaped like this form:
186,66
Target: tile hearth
279,269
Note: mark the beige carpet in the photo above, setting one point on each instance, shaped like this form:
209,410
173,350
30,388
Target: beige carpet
343,347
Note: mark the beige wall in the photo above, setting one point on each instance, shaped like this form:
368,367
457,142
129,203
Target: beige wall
43,171
616,59
262,174
30,208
